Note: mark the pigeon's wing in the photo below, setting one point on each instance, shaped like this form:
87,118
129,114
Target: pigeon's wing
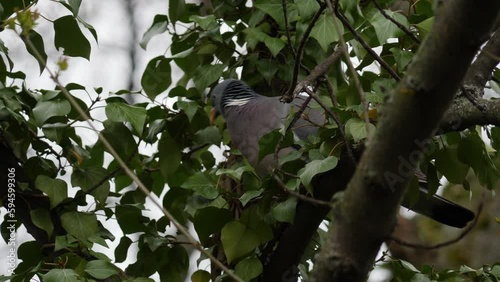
312,117
248,123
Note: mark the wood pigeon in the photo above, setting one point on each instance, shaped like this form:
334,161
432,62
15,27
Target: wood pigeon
249,116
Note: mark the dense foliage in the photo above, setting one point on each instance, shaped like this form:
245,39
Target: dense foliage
237,216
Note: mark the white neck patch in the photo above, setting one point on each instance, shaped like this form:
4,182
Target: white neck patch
238,102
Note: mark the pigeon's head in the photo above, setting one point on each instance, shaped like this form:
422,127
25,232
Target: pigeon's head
230,92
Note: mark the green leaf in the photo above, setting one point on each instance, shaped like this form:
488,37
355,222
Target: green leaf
75,6
208,135
470,151
324,31
238,240
169,155
235,174
72,5
157,76
292,156
274,44
87,178
425,26
120,112
356,129
39,52
155,128
307,8
79,224
89,27
159,26
315,167
268,69
120,137
206,75
448,163
30,252
130,218
189,107
176,268
495,138
285,211
65,241
274,8
201,184
254,36
100,269
249,195
122,249
176,9
269,141
386,29
200,276
56,189
60,275
210,220
252,219
41,219
44,110
408,266
402,57
494,86
248,269
70,38
204,22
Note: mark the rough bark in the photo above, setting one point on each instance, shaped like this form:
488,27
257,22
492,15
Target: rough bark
367,213
463,114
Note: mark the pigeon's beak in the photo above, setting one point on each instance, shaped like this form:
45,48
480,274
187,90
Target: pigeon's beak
213,116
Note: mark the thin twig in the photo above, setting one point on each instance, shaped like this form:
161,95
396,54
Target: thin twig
300,51
329,89
398,24
367,47
301,196
127,170
287,28
445,243
316,73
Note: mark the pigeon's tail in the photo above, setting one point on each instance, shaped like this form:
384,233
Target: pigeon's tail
440,209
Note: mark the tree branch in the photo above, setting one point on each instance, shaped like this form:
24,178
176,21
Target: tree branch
480,71
367,213
462,114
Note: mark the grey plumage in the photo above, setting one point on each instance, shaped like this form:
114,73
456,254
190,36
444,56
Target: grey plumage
249,116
